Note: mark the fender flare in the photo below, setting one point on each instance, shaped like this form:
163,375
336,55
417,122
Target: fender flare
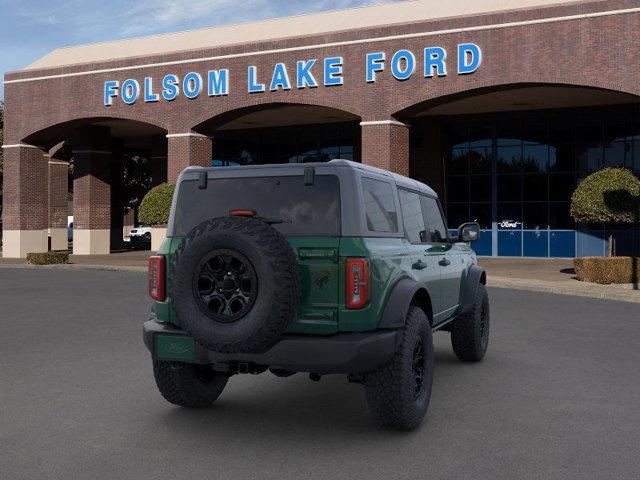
475,276
397,306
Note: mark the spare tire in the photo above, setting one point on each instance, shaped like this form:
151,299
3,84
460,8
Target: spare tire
234,284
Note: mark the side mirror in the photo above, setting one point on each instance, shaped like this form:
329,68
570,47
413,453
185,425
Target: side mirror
469,232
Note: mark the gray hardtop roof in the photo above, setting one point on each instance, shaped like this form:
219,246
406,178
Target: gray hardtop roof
329,167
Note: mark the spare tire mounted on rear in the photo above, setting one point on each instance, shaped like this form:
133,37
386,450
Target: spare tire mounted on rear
235,284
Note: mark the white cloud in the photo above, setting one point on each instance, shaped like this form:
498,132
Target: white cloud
30,29
157,16
122,18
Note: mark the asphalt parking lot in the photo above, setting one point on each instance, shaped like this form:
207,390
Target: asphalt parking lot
558,396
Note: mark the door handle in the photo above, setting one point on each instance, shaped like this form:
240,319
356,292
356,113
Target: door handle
419,265
444,262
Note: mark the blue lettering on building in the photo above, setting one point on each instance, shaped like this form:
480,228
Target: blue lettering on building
375,64
333,71
434,61
305,73
192,85
130,91
149,96
469,58
218,82
170,87
403,64
280,78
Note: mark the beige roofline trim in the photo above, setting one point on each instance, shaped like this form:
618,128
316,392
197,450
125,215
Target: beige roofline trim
337,44
189,134
58,162
21,145
383,122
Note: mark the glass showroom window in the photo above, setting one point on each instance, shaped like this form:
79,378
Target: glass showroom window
538,159
287,145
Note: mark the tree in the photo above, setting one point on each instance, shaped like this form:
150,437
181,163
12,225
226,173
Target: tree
155,206
611,195
136,179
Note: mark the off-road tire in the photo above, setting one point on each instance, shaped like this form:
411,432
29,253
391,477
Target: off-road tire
188,385
470,331
390,389
277,277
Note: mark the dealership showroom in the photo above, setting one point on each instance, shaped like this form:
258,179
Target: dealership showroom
502,112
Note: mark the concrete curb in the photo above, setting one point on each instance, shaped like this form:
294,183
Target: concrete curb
74,266
603,292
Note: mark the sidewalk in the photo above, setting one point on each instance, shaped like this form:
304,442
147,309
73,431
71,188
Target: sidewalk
135,261
551,276
538,275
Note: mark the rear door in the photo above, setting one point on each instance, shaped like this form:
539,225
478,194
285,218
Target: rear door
441,249
307,213
424,259
318,259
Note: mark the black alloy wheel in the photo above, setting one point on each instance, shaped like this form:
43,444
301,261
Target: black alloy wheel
225,285
419,367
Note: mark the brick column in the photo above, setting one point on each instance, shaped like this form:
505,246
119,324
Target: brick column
58,191
187,149
158,160
91,202
91,191
25,210
385,144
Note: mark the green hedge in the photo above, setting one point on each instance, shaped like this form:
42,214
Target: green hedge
607,270
156,204
48,258
611,195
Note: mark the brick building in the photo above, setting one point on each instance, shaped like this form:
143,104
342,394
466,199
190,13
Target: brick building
500,105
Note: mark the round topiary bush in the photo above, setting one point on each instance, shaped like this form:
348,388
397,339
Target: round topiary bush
156,204
611,195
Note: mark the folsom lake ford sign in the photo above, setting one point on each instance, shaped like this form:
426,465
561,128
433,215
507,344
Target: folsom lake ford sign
309,73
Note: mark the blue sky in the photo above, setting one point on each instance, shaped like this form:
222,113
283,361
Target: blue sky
30,29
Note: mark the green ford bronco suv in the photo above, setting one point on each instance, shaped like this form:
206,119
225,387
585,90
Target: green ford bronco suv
322,268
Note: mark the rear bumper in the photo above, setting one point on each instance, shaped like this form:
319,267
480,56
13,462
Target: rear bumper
339,353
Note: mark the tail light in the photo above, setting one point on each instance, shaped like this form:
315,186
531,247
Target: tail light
358,283
242,213
157,278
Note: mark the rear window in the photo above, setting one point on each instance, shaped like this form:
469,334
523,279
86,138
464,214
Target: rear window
305,210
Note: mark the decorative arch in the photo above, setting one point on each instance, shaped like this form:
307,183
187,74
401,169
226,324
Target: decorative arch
213,121
421,102
47,136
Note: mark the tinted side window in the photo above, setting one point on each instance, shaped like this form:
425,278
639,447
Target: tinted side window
436,231
412,216
380,206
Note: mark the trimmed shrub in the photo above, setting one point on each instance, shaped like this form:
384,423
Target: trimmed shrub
48,258
611,195
156,204
607,270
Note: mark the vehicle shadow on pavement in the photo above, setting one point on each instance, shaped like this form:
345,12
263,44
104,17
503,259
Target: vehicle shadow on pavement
265,405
